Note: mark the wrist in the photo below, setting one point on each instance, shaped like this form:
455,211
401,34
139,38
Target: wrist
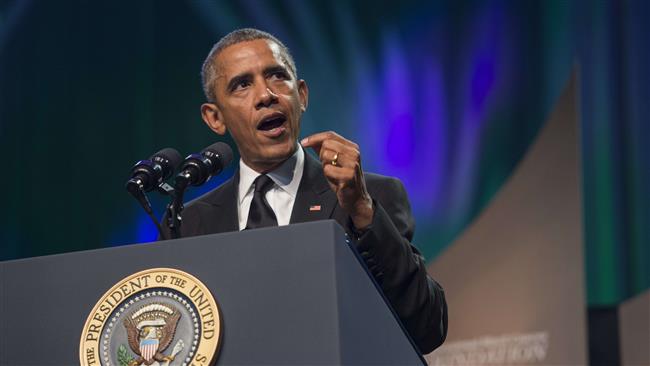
362,214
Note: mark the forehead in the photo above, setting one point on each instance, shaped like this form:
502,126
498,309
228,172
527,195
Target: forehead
247,57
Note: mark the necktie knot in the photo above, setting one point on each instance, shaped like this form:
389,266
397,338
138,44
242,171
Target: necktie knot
263,184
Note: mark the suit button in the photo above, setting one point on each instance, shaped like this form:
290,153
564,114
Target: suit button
379,277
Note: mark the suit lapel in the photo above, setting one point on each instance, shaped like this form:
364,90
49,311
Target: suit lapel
315,200
225,202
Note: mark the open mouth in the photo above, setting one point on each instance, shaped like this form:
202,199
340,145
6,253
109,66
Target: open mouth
271,122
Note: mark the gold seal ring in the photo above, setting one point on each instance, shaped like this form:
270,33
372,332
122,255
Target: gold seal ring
335,160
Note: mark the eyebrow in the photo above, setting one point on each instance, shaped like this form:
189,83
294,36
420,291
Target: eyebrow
248,76
237,79
276,68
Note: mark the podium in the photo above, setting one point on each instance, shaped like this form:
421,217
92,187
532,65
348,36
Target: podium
290,295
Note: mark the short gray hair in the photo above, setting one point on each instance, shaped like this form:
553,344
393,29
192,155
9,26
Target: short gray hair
209,69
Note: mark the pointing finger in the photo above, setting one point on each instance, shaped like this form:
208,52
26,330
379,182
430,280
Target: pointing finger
316,140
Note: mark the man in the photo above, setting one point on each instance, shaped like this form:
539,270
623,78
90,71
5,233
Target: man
250,81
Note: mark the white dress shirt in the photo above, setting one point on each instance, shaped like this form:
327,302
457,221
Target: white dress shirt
281,196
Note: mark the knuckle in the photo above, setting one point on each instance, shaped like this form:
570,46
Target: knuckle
334,135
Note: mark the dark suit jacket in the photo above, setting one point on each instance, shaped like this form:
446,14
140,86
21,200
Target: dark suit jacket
396,264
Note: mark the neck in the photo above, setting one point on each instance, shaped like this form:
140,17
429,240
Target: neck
265,166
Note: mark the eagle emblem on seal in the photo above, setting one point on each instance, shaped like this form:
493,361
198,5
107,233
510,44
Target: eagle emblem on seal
150,330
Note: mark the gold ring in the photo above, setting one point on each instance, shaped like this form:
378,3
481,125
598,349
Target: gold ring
335,161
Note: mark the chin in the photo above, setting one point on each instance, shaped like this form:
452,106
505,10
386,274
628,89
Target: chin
279,152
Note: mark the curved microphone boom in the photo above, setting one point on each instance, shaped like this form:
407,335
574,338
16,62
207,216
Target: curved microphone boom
149,174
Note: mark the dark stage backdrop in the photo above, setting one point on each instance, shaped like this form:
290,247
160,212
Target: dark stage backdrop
445,95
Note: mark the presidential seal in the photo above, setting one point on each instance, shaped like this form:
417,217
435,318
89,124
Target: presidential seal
156,317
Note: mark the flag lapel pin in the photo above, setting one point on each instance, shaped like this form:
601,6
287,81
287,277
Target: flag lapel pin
314,208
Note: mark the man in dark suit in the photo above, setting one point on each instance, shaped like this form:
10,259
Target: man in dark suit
251,84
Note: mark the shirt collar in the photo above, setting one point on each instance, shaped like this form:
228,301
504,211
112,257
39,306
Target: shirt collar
287,176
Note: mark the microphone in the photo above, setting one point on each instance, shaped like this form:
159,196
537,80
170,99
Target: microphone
195,170
199,168
149,174
146,175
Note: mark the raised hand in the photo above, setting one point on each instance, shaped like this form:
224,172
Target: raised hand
341,160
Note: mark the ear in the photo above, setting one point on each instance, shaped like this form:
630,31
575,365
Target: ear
212,117
303,93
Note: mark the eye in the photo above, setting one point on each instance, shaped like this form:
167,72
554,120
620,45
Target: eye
279,75
242,84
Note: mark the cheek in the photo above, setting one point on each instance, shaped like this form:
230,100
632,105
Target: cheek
239,121
283,86
296,110
292,102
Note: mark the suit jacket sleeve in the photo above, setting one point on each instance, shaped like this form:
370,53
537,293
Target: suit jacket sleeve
399,268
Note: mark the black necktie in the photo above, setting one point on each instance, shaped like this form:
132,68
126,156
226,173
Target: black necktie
260,213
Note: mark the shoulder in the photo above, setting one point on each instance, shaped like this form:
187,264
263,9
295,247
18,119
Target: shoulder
222,194
199,213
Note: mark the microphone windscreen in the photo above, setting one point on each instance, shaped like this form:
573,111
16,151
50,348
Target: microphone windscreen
170,159
221,149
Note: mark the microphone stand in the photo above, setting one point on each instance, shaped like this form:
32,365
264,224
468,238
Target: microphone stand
175,207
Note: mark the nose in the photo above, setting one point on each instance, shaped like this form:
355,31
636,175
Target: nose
266,97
